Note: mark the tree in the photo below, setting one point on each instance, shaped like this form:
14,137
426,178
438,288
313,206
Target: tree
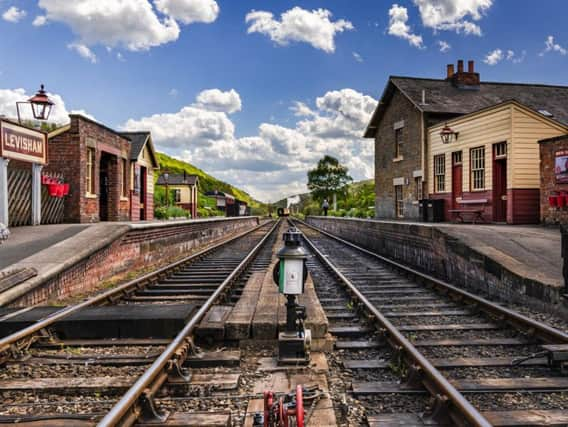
328,178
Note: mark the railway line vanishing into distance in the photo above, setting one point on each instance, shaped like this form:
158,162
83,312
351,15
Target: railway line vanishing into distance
409,350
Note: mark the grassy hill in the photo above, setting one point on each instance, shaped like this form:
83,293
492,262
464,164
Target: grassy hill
208,183
359,202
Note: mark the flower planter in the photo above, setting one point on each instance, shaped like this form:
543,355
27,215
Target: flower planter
561,201
65,189
52,189
45,179
60,190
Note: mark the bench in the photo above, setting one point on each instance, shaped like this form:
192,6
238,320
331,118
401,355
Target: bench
476,210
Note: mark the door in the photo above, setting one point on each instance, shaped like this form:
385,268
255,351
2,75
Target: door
143,189
103,187
500,182
457,178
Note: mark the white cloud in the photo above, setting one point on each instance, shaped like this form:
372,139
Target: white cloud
357,57
59,113
39,21
551,46
134,25
189,11
217,100
514,58
494,57
14,15
451,15
83,51
299,25
273,163
444,46
398,18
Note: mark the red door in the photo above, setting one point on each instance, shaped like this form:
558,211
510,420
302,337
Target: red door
500,182
457,178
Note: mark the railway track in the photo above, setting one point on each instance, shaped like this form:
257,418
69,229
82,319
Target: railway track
109,359
412,350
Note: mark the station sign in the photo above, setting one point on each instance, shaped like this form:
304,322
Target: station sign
21,143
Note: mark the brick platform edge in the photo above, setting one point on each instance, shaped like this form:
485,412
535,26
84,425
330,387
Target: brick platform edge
428,249
97,254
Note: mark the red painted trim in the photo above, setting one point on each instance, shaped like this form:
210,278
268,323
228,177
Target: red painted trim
523,205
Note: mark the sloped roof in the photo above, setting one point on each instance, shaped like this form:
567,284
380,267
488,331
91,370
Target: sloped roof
178,179
443,97
138,140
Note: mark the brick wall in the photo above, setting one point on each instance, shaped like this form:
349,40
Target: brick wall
151,246
429,249
68,155
548,185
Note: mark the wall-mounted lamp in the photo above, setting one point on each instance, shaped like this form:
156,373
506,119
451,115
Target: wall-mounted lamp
41,105
448,135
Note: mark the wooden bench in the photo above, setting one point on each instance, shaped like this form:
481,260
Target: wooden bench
476,210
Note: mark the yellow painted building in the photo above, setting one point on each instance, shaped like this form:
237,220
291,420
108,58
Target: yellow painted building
184,189
490,167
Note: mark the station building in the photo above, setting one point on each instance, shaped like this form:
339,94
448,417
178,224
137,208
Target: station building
185,190
554,180
412,110
110,174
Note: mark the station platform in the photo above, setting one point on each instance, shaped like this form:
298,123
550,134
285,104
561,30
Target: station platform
514,263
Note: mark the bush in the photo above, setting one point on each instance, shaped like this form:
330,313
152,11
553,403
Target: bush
166,212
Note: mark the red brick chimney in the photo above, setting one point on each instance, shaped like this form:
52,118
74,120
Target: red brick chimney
461,79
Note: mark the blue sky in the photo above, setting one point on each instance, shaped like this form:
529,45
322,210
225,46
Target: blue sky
255,92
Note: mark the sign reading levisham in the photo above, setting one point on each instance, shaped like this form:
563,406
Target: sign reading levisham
21,143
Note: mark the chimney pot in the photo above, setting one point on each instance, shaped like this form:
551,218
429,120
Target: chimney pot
460,66
450,71
470,67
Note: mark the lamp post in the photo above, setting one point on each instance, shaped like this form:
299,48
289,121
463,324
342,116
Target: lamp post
41,105
166,175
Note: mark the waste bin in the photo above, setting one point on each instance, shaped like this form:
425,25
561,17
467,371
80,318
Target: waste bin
423,209
435,210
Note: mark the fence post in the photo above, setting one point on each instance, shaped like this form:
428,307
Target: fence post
4,219
564,243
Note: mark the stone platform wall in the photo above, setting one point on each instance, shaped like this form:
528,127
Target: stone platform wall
140,246
430,250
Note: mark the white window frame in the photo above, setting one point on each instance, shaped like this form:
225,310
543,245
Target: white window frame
439,173
477,167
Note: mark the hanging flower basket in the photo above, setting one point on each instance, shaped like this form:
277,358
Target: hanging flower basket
45,179
52,189
65,189
561,200
60,190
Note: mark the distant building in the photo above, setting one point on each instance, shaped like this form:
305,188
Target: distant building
222,200
184,189
406,125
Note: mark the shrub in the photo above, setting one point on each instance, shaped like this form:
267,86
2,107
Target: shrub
166,212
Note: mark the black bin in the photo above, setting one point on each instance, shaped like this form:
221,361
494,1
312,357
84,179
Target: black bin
423,209
435,211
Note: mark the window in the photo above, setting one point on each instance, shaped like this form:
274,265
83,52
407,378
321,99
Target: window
177,195
440,173
477,168
418,188
457,158
399,202
91,171
124,178
397,143
501,150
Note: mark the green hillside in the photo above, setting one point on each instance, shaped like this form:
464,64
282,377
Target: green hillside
208,183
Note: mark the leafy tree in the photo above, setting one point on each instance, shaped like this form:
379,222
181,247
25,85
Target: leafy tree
328,178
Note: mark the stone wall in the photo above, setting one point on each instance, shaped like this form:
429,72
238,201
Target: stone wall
430,250
141,246
548,184
387,167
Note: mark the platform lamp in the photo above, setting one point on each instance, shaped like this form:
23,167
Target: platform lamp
448,134
41,105
166,176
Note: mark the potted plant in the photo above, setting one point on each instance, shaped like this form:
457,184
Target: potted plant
560,200
65,189
52,189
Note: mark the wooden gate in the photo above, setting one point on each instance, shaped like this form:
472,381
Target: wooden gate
20,200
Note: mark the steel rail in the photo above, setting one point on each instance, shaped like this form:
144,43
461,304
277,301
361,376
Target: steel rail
545,332
8,341
121,408
443,386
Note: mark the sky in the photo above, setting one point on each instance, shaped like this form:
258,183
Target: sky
256,92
